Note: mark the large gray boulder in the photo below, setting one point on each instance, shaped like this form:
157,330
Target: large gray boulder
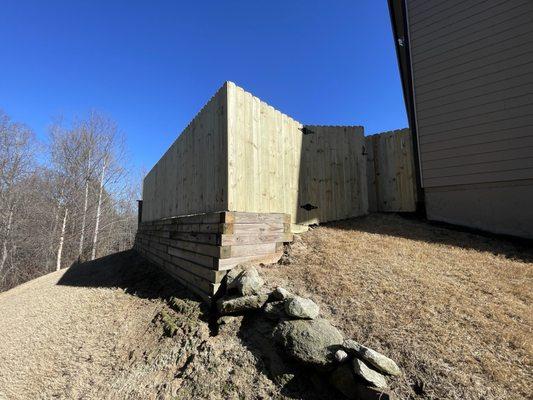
344,380
312,342
368,374
299,307
245,281
372,357
232,275
231,305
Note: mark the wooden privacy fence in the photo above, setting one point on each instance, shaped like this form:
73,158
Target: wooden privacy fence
242,177
391,172
240,154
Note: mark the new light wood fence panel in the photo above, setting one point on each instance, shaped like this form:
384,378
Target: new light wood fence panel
191,177
264,156
240,154
332,174
391,172
274,167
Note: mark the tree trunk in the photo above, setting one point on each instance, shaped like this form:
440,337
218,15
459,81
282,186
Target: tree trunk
98,210
83,221
6,238
61,240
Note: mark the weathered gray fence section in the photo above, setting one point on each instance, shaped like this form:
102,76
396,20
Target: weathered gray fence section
391,172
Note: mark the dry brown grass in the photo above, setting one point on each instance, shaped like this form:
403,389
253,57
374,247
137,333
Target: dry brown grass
453,308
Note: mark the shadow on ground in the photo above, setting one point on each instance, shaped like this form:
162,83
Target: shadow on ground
413,227
129,271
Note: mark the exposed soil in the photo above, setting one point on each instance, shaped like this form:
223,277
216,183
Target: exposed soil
452,308
94,331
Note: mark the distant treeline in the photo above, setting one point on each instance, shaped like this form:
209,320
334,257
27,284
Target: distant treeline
70,199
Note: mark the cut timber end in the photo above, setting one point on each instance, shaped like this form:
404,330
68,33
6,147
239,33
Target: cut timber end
199,249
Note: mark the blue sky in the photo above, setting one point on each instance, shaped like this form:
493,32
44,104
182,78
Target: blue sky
152,65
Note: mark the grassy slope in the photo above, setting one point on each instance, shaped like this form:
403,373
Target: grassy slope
453,308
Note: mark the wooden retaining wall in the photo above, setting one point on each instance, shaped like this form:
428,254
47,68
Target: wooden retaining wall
391,172
198,250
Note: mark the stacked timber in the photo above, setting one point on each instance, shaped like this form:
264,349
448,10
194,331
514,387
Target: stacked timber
199,250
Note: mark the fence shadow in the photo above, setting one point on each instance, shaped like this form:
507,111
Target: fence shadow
413,227
129,271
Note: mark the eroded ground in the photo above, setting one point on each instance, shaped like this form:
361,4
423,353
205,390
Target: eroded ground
452,308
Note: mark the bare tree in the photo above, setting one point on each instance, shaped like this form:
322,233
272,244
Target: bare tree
85,208
98,210
16,163
79,189
61,240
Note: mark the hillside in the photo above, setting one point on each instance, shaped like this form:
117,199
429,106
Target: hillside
452,308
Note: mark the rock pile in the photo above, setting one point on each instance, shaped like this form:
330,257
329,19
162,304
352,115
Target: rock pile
356,371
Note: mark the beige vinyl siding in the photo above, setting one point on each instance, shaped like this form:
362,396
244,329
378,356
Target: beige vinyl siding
472,65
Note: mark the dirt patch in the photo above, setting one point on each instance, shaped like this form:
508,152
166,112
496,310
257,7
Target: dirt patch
452,308
95,332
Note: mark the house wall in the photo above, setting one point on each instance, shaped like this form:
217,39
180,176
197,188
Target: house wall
472,68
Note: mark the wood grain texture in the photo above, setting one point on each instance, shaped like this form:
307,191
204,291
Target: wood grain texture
279,169
198,250
191,177
240,154
391,174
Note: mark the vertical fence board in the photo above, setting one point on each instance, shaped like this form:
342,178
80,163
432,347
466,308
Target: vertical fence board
390,172
240,154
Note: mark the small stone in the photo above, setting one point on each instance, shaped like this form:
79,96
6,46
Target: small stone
372,357
344,380
275,310
232,275
280,293
312,342
341,355
229,323
299,307
351,346
368,374
248,282
241,303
